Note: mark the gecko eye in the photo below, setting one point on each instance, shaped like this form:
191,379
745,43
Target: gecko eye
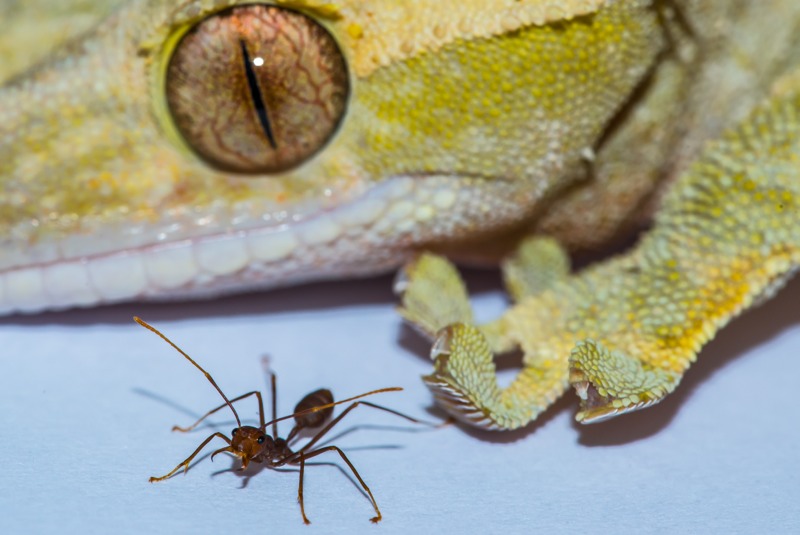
256,88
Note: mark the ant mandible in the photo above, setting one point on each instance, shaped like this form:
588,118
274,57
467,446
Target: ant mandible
254,444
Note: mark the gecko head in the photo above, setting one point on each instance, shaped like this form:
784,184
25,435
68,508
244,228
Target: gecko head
179,151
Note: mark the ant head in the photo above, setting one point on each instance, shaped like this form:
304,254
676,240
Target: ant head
248,442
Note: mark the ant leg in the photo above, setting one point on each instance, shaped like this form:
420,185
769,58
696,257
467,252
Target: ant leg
185,463
309,455
273,391
300,490
336,420
212,411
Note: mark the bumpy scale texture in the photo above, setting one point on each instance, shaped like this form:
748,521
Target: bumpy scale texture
463,123
467,118
624,332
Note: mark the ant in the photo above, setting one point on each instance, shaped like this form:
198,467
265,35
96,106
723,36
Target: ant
254,444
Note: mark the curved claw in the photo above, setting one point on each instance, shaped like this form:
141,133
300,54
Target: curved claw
464,382
610,383
463,378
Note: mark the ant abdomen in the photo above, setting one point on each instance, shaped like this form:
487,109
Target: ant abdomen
317,398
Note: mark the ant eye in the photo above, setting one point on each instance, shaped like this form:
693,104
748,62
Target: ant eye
233,433
261,439
257,88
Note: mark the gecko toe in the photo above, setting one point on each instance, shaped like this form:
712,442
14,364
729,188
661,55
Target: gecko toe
611,383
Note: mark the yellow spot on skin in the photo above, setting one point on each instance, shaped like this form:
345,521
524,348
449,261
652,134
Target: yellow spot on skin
355,31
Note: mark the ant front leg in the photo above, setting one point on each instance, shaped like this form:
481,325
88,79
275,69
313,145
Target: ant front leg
255,393
185,463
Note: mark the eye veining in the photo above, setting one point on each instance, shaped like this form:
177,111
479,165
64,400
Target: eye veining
257,89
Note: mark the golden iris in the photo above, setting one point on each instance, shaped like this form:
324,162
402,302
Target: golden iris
257,89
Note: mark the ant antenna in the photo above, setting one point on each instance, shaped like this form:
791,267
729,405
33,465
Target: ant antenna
149,327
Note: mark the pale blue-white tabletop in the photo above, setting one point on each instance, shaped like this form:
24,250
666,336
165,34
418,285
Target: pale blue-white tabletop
87,400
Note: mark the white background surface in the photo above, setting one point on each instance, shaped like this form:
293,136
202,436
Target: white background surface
87,400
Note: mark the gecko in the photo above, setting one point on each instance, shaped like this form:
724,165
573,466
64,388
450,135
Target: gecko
154,150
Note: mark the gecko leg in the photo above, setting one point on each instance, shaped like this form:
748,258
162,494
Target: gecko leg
727,237
537,265
624,331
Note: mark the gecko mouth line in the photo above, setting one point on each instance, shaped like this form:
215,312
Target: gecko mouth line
385,220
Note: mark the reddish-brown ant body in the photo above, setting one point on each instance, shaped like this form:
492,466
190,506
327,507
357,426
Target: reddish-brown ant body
254,444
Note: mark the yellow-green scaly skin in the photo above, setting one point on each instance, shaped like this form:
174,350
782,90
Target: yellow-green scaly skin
470,123
623,332
102,202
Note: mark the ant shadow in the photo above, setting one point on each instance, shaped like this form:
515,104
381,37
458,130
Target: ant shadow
254,469
305,434
742,335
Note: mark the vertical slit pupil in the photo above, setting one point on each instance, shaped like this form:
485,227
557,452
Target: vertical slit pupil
256,96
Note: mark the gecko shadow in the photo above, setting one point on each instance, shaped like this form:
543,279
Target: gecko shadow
313,296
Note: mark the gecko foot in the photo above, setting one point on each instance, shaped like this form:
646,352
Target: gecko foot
610,383
464,382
